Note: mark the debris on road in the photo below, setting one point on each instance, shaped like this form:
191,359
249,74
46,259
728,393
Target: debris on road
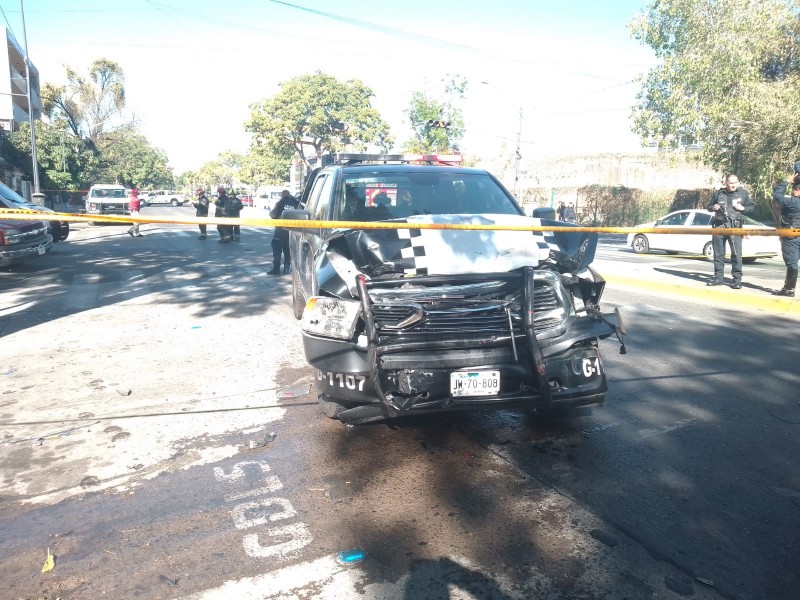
270,437
295,390
49,562
347,558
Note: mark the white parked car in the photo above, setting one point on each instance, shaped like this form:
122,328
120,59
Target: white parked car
161,197
753,246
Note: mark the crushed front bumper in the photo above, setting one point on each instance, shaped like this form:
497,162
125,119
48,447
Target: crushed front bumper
557,366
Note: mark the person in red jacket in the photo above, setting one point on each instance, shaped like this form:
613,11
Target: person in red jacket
133,208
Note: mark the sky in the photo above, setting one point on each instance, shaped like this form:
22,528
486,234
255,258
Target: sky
561,75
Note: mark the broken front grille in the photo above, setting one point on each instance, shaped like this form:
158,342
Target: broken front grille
485,309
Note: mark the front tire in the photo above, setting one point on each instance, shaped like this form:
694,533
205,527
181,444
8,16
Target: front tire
298,300
173,202
708,251
640,245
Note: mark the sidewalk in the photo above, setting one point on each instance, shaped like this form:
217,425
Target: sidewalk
689,282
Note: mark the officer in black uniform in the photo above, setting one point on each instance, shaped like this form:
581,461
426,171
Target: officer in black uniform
280,239
790,218
729,204
201,210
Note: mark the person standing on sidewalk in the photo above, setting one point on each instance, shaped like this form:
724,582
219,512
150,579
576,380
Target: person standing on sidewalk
201,210
222,203
729,204
790,218
280,238
134,204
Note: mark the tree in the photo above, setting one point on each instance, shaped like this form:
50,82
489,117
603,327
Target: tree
65,162
224,171
729,77
316,114
264,165
128,158
92,105
437,123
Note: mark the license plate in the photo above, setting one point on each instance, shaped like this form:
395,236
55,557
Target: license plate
41,250
474,383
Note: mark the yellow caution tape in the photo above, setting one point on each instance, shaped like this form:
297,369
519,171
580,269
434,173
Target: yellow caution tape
303,224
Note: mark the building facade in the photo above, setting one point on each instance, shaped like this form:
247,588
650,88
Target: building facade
14,107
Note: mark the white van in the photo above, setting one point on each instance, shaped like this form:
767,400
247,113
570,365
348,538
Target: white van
268,195
107,199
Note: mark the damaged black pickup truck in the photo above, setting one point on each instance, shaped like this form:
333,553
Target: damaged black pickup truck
422,318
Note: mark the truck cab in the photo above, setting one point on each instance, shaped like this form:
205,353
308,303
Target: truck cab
107,199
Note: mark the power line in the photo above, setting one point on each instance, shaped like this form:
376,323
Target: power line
438,41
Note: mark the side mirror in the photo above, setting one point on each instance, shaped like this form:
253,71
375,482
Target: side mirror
544,212
658,222
297,214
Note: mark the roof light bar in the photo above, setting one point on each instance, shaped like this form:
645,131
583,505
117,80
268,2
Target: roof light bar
347,157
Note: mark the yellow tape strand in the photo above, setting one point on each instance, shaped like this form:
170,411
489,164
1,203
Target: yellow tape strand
299,224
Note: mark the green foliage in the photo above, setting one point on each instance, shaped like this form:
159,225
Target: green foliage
224,171
265,166
65,162
128,158
317,114
423,108
730,78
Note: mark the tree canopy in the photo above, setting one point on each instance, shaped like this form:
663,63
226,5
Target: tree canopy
424,108
89,137
316,114
729,78
92,104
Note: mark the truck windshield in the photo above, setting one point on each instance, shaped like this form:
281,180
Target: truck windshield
375,196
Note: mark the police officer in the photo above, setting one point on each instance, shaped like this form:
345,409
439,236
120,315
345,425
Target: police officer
201,210
730,204
280,239
790,218
223,207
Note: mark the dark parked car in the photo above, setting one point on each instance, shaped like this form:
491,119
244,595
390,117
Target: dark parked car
10,199
426,318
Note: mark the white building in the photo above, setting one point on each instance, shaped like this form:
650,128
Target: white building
14,107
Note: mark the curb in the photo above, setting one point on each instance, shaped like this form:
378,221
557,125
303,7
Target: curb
718,295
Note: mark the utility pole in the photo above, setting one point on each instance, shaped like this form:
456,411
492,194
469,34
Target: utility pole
517,154
38,197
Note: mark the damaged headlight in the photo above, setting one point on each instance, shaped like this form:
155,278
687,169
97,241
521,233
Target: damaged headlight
331,317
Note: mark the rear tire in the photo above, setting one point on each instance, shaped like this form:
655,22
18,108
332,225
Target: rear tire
173,202
708,251
640,245
298,301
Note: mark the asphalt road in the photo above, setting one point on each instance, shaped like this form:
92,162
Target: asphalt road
161,438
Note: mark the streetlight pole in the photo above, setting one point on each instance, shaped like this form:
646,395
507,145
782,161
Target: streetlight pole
36,189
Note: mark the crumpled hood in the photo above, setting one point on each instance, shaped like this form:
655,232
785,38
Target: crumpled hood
442,252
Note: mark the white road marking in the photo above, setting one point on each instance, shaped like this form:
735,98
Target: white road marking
645,433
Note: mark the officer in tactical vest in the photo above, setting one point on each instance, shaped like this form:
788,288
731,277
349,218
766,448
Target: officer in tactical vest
729,204
790,218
